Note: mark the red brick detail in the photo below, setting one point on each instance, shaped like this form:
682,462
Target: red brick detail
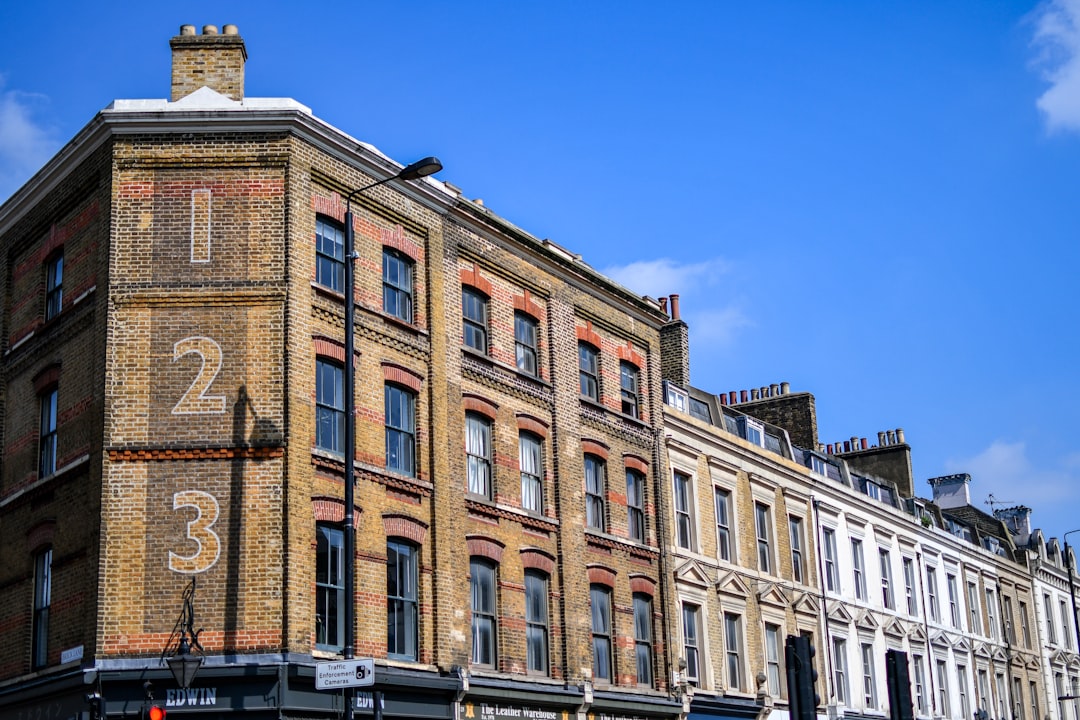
627,353
328,510
473,279
592,447
534,425
587,334
485,547
214,453
402,376
40,535
643,585
403,526
47,378
633,462
525,304
532,559
58,235
600,575
331,207
476,404
396,239
329,348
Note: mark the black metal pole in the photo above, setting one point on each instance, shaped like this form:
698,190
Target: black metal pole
349,530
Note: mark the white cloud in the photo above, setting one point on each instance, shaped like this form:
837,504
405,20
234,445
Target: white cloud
709,307
664,276
1057,35
1050,487
26,142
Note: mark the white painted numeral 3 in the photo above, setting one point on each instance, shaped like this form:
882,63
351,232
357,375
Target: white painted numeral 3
195,401
198,531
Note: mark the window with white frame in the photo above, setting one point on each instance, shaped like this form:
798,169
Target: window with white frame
772,659
43,579
858,569
691,622
1033,693
1066,626
643,652
761,527
400,405
954,599
595,506
474,319
1048,606
1025,629
47,436
869,683
973,608
628,389
985,702
832,577
536,621
932,594
1018,699
943,688
478,454
482,584
722,505
917,666
602,633
795,535
991,614
1003,702
885,563
329,406
962,683
54,285
525,343
397,285
401,600
635,505
733,650
909,586
330,254
1007,619
840,671
683,497
329,587
589,371
530,460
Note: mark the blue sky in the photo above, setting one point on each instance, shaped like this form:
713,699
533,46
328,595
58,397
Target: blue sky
877,202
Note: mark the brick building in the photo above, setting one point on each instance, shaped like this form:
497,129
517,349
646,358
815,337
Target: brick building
173,414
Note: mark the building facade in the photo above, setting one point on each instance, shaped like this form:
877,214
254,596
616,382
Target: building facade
174,424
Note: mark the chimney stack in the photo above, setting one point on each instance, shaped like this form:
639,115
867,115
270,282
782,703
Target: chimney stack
208,60
674,344
951,491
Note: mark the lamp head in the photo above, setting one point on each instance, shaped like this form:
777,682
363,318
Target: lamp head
420,168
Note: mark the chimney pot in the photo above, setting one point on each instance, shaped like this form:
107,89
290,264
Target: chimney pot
847,446
675,307
230,30
743,396
881,438
187,29
900,435
209,30
785,388
753,393
663,305
774,390
863,443
892,436
723,398
763,390
829,449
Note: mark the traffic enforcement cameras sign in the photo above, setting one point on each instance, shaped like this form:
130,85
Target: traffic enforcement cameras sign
358,672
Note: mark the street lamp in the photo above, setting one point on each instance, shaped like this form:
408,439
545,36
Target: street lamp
182,663
414,171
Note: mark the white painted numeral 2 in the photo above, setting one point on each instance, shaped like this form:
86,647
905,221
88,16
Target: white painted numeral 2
195,401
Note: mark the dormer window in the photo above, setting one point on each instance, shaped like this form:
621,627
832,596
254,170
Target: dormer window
751,430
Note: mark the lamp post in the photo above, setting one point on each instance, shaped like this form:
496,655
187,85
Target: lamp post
414,171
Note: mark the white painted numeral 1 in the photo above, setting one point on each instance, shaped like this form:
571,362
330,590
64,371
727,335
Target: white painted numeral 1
195,401
200,226
198,531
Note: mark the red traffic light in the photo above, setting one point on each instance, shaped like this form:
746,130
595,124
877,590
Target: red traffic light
156,713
